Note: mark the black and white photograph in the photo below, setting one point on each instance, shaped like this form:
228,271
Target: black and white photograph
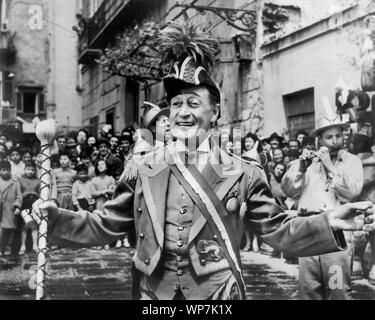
205,150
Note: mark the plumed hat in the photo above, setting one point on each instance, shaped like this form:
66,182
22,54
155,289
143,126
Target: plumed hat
328,118
190,51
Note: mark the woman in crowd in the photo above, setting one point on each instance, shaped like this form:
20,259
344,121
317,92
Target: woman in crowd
275,183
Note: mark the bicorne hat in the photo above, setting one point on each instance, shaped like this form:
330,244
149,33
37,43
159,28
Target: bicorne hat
190,51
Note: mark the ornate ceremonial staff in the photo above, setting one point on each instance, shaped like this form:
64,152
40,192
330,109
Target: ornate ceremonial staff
46,132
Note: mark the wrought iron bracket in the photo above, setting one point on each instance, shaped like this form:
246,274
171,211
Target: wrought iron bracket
241,19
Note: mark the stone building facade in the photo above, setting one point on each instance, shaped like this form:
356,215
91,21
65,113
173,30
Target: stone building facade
303,66
39,76
115,100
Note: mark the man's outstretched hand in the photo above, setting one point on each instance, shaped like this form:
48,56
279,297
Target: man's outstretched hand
352,216
49,206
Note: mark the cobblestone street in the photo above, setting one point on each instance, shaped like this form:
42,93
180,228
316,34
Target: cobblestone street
89,274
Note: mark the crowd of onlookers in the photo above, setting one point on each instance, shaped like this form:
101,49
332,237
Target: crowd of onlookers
84,173
86,169
274,155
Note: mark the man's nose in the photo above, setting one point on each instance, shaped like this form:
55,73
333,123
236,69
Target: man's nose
184,111
334,140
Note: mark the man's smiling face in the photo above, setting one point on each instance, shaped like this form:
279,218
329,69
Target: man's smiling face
192,113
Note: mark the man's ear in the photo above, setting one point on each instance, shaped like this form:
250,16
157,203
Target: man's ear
215,110
153,129
318,141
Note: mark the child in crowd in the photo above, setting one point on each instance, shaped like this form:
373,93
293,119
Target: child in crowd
11,204
17,165
30,188
103,185
86,160
73,163
62,182
26,155
3,152
82,191
38,165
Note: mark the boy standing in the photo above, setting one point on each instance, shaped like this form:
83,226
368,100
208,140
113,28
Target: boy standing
62,182
17,165
11,203
30,186
82,191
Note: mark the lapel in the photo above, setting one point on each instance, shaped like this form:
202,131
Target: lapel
221,172
154,175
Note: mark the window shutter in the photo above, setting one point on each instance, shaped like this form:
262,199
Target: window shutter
41,106
19,102
8,91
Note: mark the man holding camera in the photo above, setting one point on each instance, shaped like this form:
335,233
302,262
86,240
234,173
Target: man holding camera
321,181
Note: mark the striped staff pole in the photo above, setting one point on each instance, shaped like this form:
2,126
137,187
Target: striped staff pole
46,132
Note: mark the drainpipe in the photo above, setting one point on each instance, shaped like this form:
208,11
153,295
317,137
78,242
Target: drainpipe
259,32
52,56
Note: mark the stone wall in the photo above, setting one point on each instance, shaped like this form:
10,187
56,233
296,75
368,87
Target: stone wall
32,44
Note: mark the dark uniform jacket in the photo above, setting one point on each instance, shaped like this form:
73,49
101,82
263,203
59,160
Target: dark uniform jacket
244,186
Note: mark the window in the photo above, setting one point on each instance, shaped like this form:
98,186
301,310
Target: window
131,101
94,124
30,101
6,87
110,118
299,109
3,15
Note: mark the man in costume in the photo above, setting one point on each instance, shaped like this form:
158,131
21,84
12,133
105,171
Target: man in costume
157,121
319,184
190,198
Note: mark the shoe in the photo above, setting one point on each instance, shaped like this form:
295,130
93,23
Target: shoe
22,250
107,247
118,244
247,247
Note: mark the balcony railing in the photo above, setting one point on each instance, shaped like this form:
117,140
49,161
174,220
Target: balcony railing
96,29
8,114
103,17
105,14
